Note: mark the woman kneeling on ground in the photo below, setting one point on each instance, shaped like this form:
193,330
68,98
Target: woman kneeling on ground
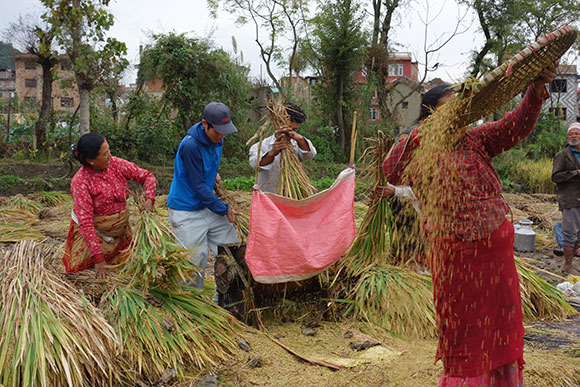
99,229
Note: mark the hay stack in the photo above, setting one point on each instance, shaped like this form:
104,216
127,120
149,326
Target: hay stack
51,335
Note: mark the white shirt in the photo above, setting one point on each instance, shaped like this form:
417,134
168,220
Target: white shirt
269,175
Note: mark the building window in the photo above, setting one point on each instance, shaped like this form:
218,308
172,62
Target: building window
374,114
29,99
396,70
558,86
29,65
559,112
30,82
66,102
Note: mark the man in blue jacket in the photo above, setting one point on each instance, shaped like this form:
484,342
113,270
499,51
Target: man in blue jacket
198,217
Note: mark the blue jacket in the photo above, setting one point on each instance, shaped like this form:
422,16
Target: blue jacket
194,172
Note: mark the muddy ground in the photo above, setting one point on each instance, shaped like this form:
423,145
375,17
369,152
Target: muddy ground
552,348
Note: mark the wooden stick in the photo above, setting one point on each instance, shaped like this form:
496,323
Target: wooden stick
353,138
263,129
322,363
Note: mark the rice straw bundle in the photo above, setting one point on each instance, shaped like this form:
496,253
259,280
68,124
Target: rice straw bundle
50,334
294,183
163,328
17,215
154,256
22,203
162,322
396,299
372,243
14,232
52,198
539,298
242,223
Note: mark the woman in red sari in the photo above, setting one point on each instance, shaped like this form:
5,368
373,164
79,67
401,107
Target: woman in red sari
99,229
475,281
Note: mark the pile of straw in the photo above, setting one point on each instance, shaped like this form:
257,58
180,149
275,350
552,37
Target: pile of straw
155,257
294,182
242,218
22,203
393,297
168,328
163,323
16,224
539,298
52,198
50,334
396,299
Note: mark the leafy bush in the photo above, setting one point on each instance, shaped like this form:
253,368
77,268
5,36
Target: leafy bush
240,183
324,140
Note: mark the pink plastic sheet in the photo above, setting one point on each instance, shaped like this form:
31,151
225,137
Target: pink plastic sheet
291,240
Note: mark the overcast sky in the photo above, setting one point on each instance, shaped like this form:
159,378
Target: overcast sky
136,19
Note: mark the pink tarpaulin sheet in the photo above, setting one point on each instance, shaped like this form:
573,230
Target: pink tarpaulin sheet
291,240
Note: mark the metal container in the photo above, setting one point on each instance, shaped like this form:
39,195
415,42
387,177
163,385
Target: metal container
525,237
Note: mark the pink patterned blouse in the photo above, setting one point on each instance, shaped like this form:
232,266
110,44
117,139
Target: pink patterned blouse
105,193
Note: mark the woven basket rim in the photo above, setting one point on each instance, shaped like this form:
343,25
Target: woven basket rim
500,85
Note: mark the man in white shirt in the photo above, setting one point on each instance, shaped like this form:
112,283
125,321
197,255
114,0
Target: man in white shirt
269,172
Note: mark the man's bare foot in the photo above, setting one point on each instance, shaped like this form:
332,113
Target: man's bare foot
570,269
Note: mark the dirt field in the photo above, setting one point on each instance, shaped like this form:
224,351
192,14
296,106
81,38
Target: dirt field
552,349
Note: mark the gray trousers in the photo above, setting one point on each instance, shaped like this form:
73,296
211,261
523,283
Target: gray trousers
570,226
201,230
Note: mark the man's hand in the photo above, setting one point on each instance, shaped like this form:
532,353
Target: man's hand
294,135
148,205
280,144
382,191
287,130
101,269
231,215
545,76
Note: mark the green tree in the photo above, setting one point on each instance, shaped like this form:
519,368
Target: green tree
194,73
81,29
36,37
273,21
509,24
339,41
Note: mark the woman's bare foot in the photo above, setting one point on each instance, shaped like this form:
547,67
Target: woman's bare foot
570,269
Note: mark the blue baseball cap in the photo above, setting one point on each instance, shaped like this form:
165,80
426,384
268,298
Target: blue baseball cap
218,115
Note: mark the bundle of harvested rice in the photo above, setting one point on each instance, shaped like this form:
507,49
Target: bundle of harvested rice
22,203
163,328
50,334
372,244
14,232
396,299
154,256
539,298
242,218
52,198
163,323
294,183
17,215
